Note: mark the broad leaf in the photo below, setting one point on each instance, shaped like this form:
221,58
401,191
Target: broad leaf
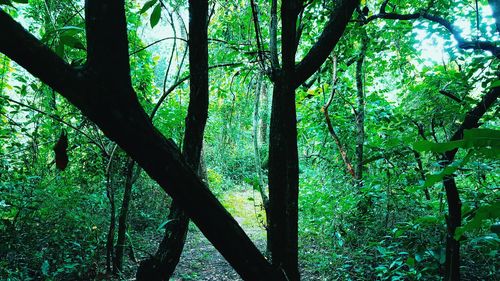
72,42
148,5
490,211
155,16
434,178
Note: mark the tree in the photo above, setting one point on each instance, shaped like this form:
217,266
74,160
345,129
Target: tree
283,156
162,265
102,90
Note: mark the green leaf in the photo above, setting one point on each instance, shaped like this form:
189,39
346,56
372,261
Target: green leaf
495,84
72,42
473,138
428,220
163,224
485,142
434,178
70,30
482,137
20,1
437,147
155,16
60,50
148,5
45,268
486,212
410,262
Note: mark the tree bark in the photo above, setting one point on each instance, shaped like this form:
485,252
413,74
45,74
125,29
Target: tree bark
283,182
283,155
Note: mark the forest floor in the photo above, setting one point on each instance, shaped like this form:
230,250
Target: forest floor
200,261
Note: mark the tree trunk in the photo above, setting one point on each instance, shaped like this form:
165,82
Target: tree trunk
454,219
283,154
162,265
360,112
122,218
283,182
257,157
110,193
264,116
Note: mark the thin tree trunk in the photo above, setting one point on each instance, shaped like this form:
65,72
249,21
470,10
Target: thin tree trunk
111,230
258,165
162,265
122,218
418,158
110,194
360,112
454,220
264,116
331,130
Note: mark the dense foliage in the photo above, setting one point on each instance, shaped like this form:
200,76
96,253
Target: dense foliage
405,86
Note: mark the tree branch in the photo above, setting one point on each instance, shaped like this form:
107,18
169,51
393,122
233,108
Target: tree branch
178,83
22,47
472,118
258,38
339,18
156,42
462,43
273,27
450,95
331,130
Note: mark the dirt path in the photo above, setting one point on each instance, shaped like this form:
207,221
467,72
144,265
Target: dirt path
200,261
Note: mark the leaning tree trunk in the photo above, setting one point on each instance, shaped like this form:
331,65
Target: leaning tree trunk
162,265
